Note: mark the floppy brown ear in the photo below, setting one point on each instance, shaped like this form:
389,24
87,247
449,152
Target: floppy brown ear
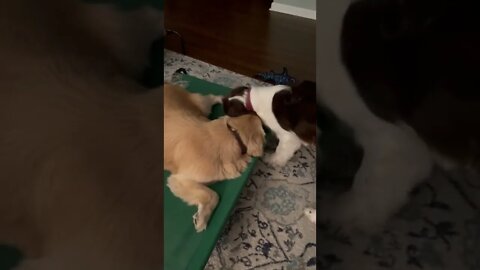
256,138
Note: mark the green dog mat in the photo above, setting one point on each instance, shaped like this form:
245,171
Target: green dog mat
184,248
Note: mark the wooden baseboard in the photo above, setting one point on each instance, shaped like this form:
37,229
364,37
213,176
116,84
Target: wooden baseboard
295,11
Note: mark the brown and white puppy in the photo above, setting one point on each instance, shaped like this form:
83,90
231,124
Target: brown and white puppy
199,151
403,74
290,112
80,148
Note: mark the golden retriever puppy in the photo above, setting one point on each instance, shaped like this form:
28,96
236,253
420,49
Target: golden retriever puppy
199,151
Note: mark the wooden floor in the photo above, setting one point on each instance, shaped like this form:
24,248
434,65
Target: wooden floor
243,36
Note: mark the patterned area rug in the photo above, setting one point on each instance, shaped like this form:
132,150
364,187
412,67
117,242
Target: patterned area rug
438,229
267,229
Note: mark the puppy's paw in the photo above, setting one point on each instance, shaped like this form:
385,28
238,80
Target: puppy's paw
202,216
199,222
242,164
275,160
233,170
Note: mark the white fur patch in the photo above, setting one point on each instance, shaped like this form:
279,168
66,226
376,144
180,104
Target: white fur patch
261,99
239,98
311,214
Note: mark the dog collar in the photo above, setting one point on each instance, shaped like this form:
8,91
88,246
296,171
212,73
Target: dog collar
243,147
248,101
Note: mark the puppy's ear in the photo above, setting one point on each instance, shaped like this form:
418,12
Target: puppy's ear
306,90
256,138
307,132
233,107
250,129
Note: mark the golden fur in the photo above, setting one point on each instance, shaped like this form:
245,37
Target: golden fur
199,151
80,148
